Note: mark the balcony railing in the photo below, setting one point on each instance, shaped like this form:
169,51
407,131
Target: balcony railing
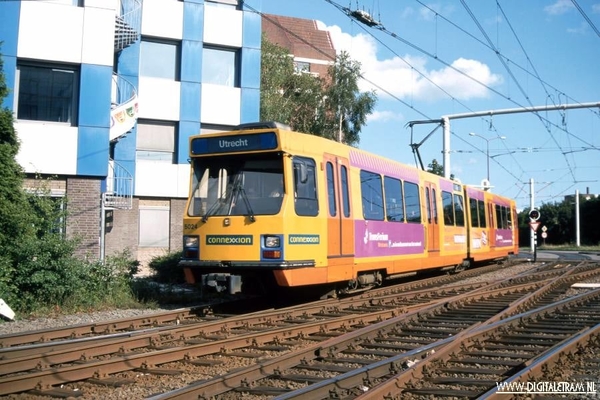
128,22
119,187
124,109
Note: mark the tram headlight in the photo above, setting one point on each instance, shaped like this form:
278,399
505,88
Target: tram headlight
191,248
272,241
190,241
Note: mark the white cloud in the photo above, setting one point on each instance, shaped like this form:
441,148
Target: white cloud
559,7
428,13
471,83
407,12
580,30
384,116
411,76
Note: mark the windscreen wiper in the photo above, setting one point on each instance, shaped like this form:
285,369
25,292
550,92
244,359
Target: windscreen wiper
244,196
213,208
238,190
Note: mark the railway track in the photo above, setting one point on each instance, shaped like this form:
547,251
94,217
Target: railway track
48,338
305,334
525,349
345,366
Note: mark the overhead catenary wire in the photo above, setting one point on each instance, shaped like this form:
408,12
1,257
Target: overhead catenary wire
323,53
380,27
542,118
589,21
548,123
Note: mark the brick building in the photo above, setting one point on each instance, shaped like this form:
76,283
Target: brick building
105,95
311,47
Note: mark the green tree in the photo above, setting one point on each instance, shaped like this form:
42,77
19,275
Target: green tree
286,96
559,219
435,168
331,106
15,223
589,211
345,108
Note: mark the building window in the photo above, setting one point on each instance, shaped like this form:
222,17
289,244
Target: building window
78,3
212,128
234,4
47,93
154,226
159,59
301,66
220,67
156,141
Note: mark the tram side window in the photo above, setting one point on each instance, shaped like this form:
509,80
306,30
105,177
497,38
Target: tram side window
371,195
331,190
448,208
474,213
394,205
434,203
459,210
477,213
412,202
345,191
305,188
490,214
501,217
481,210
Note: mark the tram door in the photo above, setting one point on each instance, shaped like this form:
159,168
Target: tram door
340,229
433,228
492,225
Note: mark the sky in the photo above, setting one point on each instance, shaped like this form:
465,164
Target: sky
430,60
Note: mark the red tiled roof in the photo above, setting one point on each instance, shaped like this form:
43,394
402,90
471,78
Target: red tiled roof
291,33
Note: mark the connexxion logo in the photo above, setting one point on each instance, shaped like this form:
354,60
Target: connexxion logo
304,239
241,240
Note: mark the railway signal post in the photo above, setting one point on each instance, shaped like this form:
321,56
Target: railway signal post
534,215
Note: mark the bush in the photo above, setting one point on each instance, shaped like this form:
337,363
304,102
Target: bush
45,273
166,268
107,285
50,278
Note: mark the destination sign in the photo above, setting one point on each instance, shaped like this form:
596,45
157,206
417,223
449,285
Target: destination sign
230,144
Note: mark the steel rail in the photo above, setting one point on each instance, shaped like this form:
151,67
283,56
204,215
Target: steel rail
178,316
551,358
350,379
394,387
358,377
273,367
99,369
40,355
106,327
42,345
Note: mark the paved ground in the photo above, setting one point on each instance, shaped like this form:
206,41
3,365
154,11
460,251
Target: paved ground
525,252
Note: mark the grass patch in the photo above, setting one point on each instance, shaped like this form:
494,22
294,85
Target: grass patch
568,247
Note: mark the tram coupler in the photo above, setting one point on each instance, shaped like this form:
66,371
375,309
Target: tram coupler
223,282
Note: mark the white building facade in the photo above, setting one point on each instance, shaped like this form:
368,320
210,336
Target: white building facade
105,95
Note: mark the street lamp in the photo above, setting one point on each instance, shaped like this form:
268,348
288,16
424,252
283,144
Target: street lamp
487,143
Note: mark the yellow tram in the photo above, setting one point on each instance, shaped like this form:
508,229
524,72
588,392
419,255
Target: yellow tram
271,207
